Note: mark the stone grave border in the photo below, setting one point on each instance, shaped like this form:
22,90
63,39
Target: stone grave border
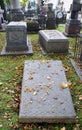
77,68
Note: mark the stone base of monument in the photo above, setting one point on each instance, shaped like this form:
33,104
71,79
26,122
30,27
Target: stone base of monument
53,41
77,67
73,27
44,97
29,51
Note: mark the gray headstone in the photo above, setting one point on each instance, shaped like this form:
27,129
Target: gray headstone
17,41
16,36
42,98
53,41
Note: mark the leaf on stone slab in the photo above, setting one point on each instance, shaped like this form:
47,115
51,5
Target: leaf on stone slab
49,85
27,89
47,91
64,85
48,77
61,102
30,78
35,93
48,65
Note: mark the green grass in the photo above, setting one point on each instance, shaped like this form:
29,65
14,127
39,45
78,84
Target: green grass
11,72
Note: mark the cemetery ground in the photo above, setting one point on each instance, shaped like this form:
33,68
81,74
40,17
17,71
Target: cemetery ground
11,72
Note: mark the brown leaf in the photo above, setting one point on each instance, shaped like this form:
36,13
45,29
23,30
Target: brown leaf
1,125
15,106
10,92
63,128
64,85
27,89
80,97
48,65
30,78
48,77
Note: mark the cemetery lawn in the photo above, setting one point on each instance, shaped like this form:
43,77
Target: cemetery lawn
11,72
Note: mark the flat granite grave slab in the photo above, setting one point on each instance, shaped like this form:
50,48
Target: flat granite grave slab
43,99
53,41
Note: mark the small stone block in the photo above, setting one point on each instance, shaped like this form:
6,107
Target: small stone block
42,97
53,41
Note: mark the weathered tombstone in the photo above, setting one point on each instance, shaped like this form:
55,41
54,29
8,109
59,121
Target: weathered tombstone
17,40
1,17
43,98
15,13
73,25
53,41
50,22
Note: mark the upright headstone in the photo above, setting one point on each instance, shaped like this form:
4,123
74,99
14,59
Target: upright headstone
1,17
81,54
73,25
15,13
17,40
50,23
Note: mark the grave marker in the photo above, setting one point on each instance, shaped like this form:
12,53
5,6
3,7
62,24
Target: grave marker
17,40
43,99
53,41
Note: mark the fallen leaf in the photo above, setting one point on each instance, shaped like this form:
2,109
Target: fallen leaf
63,128
61,102
1,83
80,97
48,65
34,93
64,85
47,91
30,78
27,89
48,77
1,126
69,83
10,92
15,106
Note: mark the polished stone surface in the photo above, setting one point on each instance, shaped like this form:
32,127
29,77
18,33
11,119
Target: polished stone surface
43,99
